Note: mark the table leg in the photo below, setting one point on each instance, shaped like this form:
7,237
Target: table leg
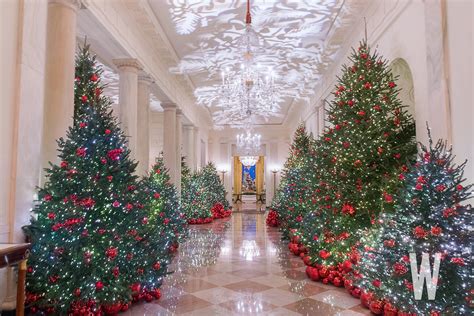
20,291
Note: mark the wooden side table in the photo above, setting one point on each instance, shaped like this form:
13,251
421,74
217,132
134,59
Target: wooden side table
16,254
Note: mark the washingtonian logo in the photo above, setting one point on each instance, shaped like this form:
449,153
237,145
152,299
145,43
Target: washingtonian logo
419,277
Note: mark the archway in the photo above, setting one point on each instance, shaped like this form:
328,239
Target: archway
402,72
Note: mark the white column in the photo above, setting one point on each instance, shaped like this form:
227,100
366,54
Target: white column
143,126
189,146
59,74
197,144
128,98
179,147
169,139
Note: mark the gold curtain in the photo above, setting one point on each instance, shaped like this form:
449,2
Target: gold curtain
259,175
237,176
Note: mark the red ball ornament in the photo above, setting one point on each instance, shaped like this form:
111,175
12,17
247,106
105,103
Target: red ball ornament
99,285
389,310
376,307
107,131
324,254
94,78
84,98
356,292
366,298
77,292
392,84
156,266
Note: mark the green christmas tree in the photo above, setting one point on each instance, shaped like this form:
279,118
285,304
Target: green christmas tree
370,138
294,194
185,173
166,215
429,219
203,196
90,248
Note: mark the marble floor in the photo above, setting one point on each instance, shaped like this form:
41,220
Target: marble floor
239,266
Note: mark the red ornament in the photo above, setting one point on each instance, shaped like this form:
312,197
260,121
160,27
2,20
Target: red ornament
440,187
389,310
107,131
51,215
376,283
111,253
419,232
81,152
115,271
324,254
458,261
357,163
459,187
376,307
82,125
361,113
156,266
145,220
388,198
77,292
436,230
94,78
367,85
99,285
84,98
377,107
348,209
419,187
399,268
392,84
366,298
390,243
116,204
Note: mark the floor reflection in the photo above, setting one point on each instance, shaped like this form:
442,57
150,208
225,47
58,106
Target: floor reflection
239,266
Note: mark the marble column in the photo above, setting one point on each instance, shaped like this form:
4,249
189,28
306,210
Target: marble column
128,99
143,126
179,147
189,146
59,75
169,139
197,145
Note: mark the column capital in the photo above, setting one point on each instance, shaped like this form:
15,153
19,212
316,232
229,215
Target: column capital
179,112
128,63
189,127
168,105
72,4
146,79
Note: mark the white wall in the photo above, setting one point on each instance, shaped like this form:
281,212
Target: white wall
22,60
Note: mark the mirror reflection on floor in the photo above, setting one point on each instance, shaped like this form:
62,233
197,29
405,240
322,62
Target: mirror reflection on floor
249,207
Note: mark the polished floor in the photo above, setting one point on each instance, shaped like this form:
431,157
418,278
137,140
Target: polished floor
238,266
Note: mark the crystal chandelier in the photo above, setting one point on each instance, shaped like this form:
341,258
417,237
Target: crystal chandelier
248,145
251,90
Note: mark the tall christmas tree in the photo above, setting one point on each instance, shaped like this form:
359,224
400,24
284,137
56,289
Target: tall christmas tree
429,219
90,253
370,138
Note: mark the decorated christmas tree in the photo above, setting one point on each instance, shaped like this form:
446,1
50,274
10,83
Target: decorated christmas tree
294,194
91,251
185,173
370,139
203,196
429,219
166,216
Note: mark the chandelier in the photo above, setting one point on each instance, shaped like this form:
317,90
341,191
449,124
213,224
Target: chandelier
251,90
248,145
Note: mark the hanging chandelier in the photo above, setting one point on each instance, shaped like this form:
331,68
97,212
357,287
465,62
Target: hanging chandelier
251,89
248,145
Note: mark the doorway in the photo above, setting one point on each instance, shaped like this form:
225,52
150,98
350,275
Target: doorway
249,185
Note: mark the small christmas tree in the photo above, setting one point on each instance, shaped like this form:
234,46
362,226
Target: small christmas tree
294,194
203,194
429,219
166,216
90,251
370,139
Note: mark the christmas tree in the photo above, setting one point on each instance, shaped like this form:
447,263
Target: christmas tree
429,219
90,251
203,196
185,173
370,138
166,216
294,194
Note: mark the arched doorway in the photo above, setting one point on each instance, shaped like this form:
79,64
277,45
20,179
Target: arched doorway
402,72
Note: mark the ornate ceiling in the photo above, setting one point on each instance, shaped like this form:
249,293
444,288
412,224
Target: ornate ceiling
301,40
